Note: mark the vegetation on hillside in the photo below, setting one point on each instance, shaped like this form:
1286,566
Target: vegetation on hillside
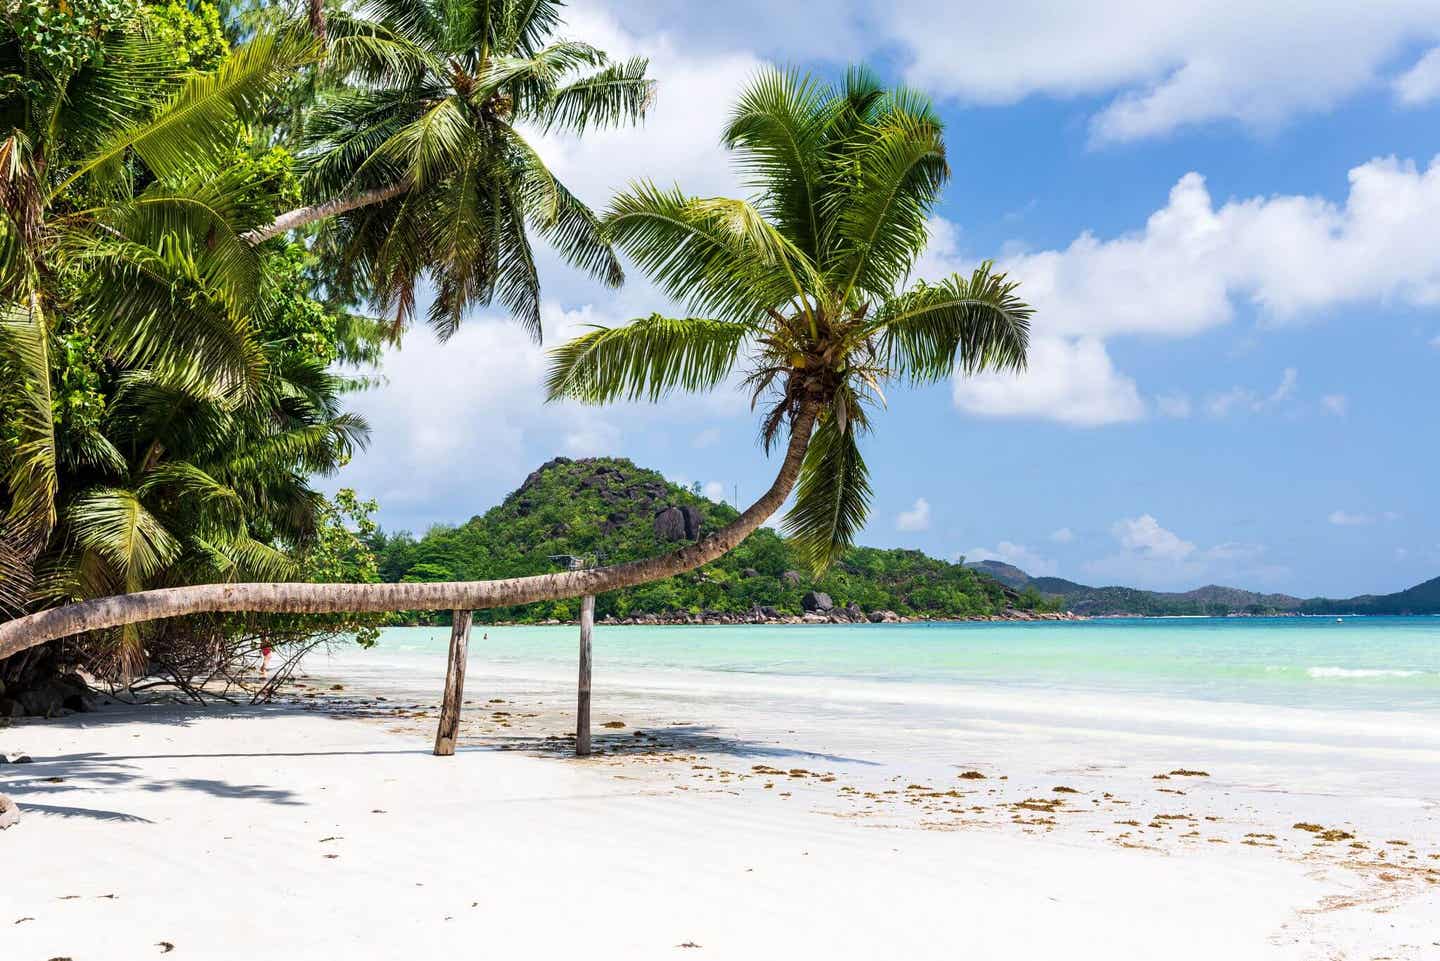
603,509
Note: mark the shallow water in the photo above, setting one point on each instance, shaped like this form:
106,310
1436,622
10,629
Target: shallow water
1356,664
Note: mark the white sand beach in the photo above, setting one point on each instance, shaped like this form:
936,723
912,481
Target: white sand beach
789,824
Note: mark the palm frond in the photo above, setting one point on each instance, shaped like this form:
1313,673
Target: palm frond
202,117
778,129
645,359
967,324
832,497
570,226
892,184
619,93
702,253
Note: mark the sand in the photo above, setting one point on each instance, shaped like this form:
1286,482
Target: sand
323,828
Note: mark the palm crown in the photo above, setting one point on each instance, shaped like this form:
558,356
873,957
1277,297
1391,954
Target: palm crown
805,283
439,93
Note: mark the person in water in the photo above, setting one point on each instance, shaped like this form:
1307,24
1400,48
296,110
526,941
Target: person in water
264,659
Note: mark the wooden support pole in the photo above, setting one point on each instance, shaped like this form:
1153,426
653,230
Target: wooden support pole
582,707
454,684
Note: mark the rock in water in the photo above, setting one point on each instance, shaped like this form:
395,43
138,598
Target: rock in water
9,812
817,601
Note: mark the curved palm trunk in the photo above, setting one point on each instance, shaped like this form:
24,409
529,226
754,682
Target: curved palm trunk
303,216
283,598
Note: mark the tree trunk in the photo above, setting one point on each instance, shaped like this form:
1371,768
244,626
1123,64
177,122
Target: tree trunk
454,684
582,706
317,19
292,598
302,216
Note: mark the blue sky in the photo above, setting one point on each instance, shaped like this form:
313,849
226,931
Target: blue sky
1227,218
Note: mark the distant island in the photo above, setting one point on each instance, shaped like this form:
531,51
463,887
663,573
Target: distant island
1212,600
610,510
605,509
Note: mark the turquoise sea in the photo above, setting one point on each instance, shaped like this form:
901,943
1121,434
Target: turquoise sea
1357,663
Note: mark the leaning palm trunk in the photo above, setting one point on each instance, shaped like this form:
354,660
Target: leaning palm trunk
313,213
282,598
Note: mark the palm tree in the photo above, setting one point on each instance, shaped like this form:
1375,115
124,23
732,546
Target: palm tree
115,208
179,483
807,282
421,162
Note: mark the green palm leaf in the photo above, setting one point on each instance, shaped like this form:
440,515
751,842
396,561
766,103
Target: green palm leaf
201,118
968,324
832,496
645,359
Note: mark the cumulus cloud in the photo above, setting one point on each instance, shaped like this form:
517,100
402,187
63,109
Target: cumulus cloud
1165,66
1145,536
917,518
1189,269
1336,404
1062,536
1072,381
715,490
1421,83
1019,555
1156,67
1151,555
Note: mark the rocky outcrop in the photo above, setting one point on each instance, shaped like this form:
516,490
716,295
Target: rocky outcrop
9,812
816,602
678,523
790,577
670,524
693,520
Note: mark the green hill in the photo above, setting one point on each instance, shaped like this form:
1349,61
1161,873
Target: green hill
1212,600
1420,599
610,510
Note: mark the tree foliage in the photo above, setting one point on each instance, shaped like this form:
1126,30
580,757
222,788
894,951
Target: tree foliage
803,287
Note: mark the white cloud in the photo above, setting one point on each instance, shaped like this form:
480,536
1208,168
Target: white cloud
1337,404
1062,536
1071,381
1435,341
1151,555
715,490
1421,83
1145,536
1166,66
1238,399
1189,269
1342,518
1017,554
1173,405
917,518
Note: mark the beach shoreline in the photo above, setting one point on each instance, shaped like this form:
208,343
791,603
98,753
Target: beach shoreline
752,816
